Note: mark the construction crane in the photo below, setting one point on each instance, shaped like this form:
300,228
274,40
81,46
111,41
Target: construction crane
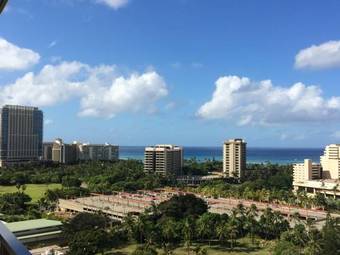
2,5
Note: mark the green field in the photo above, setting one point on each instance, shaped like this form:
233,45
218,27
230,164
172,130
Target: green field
35,191
244,247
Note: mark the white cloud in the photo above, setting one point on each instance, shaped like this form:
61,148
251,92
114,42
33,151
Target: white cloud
248,102
133,94
326,55
114,4
100,90
16,58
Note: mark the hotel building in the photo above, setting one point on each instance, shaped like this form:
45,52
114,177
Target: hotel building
163,159
102,152
21,134
319,178
58,151
234,158
306,171
330,162
64,153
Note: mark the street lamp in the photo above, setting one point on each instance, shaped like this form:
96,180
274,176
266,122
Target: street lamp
2,5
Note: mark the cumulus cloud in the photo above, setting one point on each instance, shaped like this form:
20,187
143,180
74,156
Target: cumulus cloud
16,58
100,89
114,4
250,102
133,94
326,55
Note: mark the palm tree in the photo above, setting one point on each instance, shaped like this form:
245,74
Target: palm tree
200,251
188,230
18,186
232,227
251,222
129,224
222,231
169,235
296,218
206,226
335,189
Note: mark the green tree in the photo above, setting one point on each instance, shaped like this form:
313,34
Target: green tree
330,241
170,232
188,232
206,226
286,248
222,232
272,224
320,200
85,221
251,224
89,242
182,206
70,181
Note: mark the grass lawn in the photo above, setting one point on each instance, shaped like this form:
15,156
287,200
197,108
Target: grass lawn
244,247
35,191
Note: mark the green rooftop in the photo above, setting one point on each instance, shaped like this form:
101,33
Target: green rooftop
32,224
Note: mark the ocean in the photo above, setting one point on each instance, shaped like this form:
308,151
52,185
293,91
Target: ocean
254,155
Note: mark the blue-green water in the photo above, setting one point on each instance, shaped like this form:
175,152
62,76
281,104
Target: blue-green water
254,155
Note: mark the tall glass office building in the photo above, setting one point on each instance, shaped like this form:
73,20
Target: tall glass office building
21,134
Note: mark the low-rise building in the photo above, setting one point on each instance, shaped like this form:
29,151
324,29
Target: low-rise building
35,231
115,206
328,187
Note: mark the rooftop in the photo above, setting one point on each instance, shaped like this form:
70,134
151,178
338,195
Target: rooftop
32,224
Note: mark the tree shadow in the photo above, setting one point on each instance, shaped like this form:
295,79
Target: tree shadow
239,247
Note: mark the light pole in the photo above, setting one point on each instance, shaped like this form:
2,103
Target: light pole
2,5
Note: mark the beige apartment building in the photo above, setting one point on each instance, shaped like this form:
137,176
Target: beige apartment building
319,178
306,171
234,158
101,152
330,162
58,151
64,153
163,159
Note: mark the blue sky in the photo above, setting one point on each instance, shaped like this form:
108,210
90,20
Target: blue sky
138,72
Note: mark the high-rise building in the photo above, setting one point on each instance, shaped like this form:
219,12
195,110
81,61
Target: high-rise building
101,152
234,158
21,134
64,153
163,159
47,151
71,153
306,171
330,162
323,178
